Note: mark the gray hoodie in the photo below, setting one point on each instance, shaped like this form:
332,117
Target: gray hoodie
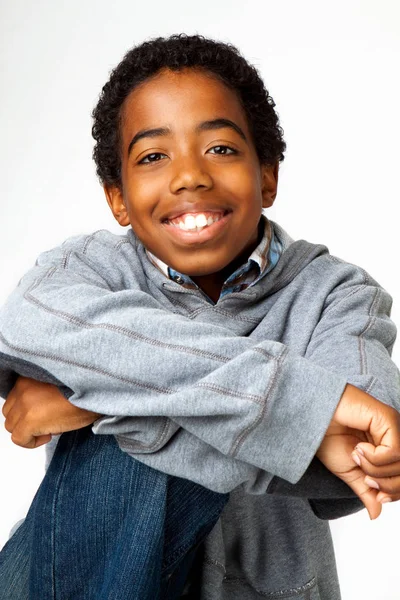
240,393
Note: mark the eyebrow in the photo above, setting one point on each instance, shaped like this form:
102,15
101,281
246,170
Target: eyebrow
220,124
204,126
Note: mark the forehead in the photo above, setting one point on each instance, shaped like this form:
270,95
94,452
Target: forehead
180,100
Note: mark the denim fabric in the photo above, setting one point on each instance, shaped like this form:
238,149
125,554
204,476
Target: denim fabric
103,526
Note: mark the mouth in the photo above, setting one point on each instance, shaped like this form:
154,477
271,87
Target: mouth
196,221
197,227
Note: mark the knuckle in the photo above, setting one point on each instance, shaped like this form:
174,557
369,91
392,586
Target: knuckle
20,440
17,440
8,427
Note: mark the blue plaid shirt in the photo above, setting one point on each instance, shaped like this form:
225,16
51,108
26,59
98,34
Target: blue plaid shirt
262,260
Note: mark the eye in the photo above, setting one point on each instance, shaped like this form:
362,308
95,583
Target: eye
222,150
153,157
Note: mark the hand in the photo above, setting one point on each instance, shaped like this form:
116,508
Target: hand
35,411
382,474
362,421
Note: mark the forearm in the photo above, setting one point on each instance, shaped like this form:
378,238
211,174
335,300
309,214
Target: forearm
241,416
123,355
232,393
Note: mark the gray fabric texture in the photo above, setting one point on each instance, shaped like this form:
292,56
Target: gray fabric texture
240,393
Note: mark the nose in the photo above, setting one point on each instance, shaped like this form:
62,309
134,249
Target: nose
190,174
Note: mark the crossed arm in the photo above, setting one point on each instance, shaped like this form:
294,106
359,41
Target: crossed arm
186,412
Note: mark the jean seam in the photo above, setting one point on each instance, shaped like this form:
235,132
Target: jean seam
53,514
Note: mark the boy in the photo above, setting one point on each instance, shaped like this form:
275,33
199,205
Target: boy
246,348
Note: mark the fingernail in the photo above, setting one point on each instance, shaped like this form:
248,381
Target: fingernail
385,500
371,483
356,458
360,451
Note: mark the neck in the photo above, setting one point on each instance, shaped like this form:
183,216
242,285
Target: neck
210,284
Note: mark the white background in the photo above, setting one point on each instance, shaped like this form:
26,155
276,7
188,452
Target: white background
333,70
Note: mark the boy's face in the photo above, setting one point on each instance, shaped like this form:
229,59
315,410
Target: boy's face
192,184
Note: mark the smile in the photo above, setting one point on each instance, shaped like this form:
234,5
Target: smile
197,227
195,221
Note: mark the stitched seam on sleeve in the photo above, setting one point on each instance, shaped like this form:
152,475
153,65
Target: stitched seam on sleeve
375,302
121,330
88,367
226,392
370,385
269,355
242,436
154,445
361,337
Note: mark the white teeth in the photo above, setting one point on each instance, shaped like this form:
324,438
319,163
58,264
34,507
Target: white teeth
196,223
190,222
201,221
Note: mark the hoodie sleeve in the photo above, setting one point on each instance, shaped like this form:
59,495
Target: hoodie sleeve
225,410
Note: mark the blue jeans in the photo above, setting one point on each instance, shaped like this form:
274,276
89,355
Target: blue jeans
103,526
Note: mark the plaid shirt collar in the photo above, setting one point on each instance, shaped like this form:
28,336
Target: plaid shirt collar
262,260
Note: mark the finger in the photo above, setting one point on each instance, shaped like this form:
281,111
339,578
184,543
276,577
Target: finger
384,498
40,440
367,495
32,442
378,455
11,420
9,403
390,485
387,470
22,437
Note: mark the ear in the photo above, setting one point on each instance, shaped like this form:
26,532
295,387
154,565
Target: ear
269,176
115,201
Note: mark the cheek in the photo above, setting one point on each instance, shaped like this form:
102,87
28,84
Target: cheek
141,199
246,182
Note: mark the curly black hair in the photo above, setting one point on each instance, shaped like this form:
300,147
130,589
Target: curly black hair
175,53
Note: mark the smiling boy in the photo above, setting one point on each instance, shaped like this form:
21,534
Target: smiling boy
183,172
216,348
